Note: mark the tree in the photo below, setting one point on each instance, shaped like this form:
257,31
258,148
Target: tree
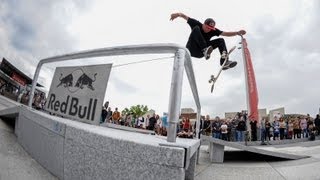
136,111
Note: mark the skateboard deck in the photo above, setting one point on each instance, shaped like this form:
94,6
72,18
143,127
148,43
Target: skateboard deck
213,79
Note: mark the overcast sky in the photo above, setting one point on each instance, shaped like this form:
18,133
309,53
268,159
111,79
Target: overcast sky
283,38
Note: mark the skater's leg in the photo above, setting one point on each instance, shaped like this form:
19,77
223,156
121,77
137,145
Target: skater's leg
221,45
196,43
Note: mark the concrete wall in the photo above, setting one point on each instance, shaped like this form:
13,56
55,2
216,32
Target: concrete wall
74,150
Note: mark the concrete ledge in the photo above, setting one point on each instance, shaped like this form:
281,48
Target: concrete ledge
115,126
74,150
216,149
11,112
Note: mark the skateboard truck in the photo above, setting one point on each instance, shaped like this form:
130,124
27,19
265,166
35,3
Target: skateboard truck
212,80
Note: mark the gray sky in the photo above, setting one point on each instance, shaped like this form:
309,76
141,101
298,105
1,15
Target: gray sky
282,36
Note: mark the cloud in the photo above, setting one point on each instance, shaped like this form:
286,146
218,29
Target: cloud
282,38
33,30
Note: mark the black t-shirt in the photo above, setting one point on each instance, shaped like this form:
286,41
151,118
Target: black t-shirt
241,126
104,114
152,122
206,124
253,125
207,36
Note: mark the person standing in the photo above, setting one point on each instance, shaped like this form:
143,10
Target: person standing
253,125
152,122
207,126
116,116
224,131
263,131
317,124
241,128
304,127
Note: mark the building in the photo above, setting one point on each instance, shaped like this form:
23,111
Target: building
13,82
276,112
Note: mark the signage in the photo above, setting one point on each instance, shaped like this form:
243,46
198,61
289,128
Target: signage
252,86
78,92
18,79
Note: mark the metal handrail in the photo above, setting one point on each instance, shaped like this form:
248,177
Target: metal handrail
182,61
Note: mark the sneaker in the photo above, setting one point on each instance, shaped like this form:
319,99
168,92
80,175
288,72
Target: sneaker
207,52
229,64
226,65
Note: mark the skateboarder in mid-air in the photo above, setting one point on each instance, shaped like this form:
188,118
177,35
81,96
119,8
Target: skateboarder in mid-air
200,43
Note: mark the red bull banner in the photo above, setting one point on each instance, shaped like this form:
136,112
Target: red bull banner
77,92
252,86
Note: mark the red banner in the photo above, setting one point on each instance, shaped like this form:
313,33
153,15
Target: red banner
252,86
18,79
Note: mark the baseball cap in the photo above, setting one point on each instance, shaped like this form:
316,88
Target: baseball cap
208,21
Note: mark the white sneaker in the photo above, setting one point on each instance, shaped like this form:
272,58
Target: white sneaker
207,52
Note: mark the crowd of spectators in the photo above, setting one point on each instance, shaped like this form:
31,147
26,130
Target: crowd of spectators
151,122
230,129
280,128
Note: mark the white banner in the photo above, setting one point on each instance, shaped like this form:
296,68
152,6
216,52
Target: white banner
78,92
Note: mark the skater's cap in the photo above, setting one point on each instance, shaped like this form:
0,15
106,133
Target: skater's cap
208,22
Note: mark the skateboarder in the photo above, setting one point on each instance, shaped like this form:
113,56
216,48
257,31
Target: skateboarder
200,43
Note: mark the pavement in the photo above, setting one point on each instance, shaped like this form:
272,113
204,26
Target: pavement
244,165
16,163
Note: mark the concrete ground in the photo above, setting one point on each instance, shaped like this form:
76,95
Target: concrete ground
15,163
244,165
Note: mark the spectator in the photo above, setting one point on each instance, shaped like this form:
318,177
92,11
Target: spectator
282,127
310,124
317,124
290,129
233,126
152,122
104,112
187,125
207,126
263,131
116,116
224,131
216,128
296,129
140,122
268,127
241,128
304,127
109,115
276,129
253,125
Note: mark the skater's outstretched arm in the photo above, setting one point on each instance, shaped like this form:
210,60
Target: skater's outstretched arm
241,32
175,15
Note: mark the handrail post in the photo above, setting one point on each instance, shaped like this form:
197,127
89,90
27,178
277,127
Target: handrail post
175,94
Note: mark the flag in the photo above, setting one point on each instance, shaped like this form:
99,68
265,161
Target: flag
251,84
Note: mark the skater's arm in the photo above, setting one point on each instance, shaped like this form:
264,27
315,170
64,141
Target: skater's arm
175,15
241,32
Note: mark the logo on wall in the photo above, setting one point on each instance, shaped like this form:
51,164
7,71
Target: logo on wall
76,80
78,92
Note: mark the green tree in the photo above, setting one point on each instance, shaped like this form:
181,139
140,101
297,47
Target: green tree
136,111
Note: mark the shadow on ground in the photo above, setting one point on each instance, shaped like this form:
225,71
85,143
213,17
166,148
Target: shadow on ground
249,156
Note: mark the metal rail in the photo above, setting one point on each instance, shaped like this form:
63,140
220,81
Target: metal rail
182,61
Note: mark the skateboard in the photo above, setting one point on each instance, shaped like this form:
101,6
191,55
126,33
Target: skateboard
213,79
